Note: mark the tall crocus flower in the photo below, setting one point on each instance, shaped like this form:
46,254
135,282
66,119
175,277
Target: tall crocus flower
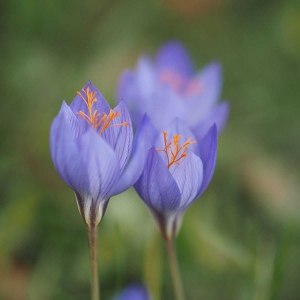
171,83
90,146
178,169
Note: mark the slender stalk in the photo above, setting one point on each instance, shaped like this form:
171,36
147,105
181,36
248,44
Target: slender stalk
93,235
177,283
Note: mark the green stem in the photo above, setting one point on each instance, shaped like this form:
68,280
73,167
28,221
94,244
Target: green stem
177,283
93,234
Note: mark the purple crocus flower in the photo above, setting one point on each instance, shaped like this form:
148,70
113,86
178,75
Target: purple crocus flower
91,145
134,292
178,169
170,84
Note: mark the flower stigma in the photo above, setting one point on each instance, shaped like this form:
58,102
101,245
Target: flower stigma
173,150
185,86
94,118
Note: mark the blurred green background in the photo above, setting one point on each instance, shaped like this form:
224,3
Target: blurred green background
241,239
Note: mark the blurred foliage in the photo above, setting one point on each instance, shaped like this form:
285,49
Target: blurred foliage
241,240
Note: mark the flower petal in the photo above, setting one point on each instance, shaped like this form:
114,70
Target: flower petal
156,185
208,155
120,137
143,141
127,91
134,292
65,154
174,57
218,115
138,89
188,176
211,81
126,86
100,162
145,77
71,120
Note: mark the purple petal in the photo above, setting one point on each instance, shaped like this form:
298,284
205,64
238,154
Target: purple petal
162,100
156,185
146,77
143,141
126,86
188,176
138,89
211,81
120,137
134,292
71,120
127,91
174,57
218,116
202,94
65,154
100,162
78,103
208,155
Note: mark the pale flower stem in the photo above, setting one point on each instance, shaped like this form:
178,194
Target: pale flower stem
177,283
93,235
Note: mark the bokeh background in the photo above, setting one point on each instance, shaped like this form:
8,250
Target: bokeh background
241,239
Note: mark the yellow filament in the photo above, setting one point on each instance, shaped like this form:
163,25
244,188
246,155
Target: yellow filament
94,118
173,150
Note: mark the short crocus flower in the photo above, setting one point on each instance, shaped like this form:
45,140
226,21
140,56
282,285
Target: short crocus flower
134,292
170,84
178,169
91,145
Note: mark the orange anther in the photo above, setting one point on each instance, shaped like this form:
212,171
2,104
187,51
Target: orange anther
180,84
94,118
173,150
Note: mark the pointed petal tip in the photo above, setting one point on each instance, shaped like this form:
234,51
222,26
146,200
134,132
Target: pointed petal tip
172,45
174,56
121,106
211,137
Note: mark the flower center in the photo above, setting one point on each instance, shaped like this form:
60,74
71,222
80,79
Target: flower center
173,150
185,86
94,118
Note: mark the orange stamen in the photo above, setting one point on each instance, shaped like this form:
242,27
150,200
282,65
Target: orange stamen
173,150
94,118
172,79
194,88
188,87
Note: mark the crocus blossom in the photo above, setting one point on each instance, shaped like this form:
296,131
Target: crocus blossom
134,292
90,146
170,84
178,169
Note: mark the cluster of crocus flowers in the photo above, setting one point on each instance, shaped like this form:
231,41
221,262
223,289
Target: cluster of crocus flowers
176,118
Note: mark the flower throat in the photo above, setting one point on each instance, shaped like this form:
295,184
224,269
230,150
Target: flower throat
173,150
99,121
